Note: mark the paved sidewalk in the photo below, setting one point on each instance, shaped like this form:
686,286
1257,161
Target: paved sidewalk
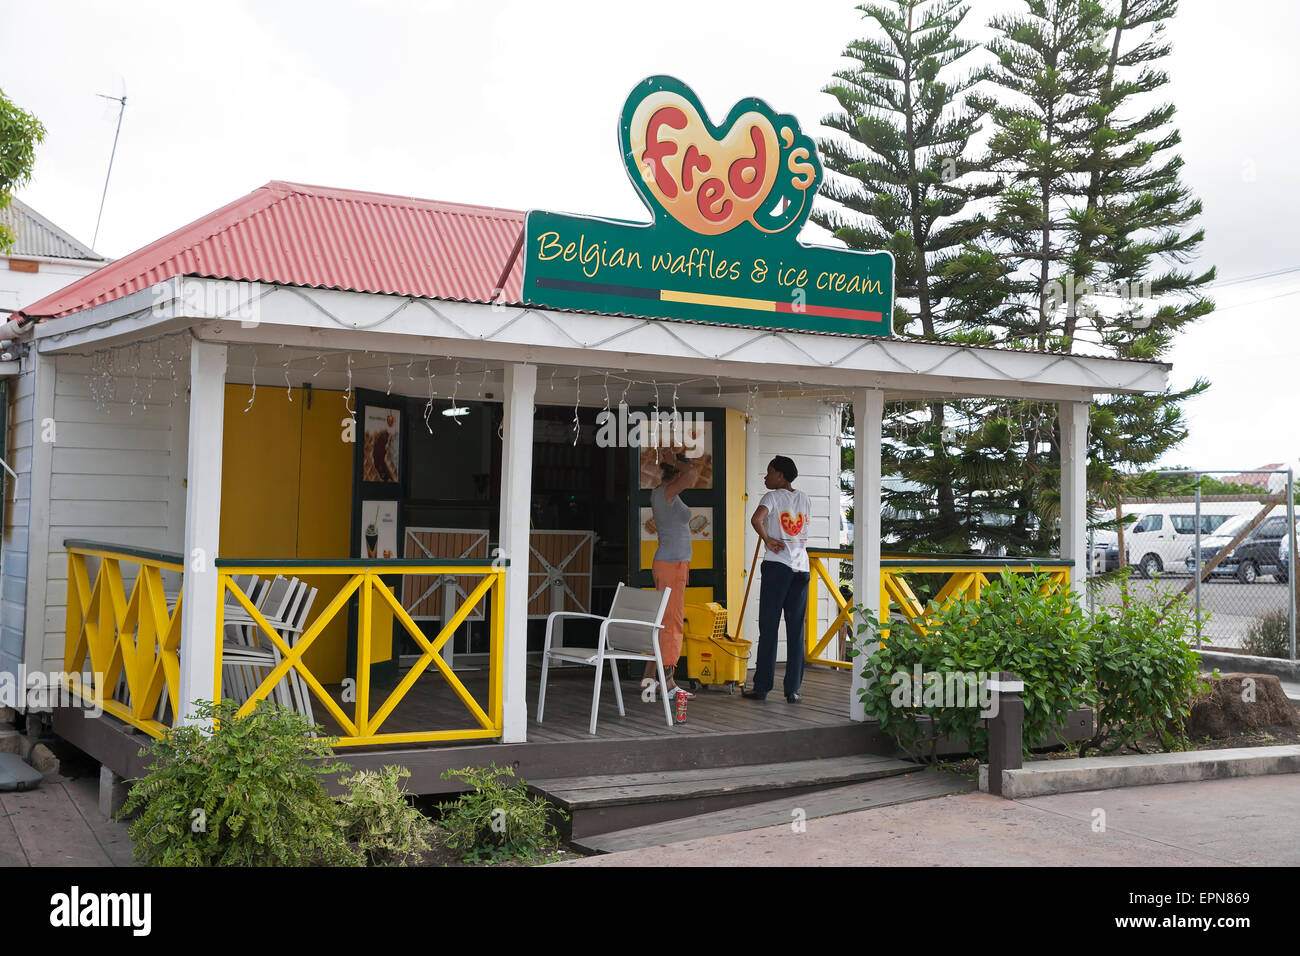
59,824
1245,821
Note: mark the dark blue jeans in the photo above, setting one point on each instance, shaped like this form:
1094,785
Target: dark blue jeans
783,590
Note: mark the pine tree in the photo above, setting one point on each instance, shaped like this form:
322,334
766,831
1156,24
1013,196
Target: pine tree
1084,250
1133,190
902,181
1092,205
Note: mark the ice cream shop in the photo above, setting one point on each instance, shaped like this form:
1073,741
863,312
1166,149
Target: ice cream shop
351,452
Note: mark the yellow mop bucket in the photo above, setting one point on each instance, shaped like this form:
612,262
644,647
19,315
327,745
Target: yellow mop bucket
711,656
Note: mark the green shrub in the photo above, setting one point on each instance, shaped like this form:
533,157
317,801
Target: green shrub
498,818
1144,673
1269,635
379,822
249,794
1019,624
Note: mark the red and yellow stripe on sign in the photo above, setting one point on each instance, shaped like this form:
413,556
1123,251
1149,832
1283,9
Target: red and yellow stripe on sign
763,305
707,298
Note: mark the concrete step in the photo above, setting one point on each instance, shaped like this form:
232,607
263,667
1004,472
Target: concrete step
606,802
918,785
1039,778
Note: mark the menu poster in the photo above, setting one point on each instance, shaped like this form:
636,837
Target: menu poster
378,530
686,435
380,452
700,525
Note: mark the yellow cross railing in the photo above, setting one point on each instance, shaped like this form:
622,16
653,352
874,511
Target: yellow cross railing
130,640
365,581
966,577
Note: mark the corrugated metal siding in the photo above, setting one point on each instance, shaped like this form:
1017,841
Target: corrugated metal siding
325,238
37,236
316,236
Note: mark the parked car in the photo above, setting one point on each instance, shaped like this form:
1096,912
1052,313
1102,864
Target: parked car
1160,539
1112,558
1258,554
1103,542
1284,559
1261,552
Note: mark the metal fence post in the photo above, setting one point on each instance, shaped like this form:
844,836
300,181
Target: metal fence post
1291,582
1196,550
1092,569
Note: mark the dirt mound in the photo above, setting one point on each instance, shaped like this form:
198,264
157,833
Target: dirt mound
1241,703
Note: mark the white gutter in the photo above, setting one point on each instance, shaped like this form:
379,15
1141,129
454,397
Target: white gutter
14,328
92,264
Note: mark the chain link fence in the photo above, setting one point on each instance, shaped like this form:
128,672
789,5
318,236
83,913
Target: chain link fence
1242,586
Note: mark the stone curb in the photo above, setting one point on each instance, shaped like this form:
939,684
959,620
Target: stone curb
1246,664
1040,778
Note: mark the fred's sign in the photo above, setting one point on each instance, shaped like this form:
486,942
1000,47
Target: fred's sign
728,203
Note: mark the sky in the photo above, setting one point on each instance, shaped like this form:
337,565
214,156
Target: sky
515,104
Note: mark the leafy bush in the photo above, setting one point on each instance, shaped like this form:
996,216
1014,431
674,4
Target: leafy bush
379,823
249,794
1269,635
498,817
1019,624
1144,674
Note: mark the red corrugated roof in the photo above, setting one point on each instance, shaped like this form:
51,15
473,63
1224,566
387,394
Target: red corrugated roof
1257,478
326,238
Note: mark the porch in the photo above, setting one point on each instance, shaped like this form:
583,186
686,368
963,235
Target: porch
228,490
123,639
721,730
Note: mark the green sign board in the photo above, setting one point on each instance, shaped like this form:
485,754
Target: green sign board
728,203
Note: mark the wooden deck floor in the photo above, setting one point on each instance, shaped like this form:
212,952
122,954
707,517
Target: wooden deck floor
721,731
432,705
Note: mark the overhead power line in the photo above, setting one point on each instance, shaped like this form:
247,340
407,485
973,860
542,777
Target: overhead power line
1236,280
1267,298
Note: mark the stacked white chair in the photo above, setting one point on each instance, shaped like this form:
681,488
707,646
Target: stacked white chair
251,656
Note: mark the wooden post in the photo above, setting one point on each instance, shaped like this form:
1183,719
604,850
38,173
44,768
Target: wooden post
516,506
202,526
1006,728
1073,420
868,415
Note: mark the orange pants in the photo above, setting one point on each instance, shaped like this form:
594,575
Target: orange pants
672,574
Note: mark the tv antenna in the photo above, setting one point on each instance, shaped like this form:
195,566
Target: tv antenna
122,109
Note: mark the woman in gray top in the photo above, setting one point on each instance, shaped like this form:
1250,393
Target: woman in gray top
672,561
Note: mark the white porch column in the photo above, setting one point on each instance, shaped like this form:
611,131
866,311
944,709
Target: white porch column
1073,418
202,525
868,412
516,505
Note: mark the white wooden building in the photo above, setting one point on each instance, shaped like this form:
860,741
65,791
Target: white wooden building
121,416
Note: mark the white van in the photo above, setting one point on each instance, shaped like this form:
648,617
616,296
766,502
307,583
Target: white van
1162,538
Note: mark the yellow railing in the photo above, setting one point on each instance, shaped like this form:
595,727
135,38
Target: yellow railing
365,580
133,640
966,576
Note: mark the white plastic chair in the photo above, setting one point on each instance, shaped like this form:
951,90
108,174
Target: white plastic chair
286,610
248,651
630,633
295,624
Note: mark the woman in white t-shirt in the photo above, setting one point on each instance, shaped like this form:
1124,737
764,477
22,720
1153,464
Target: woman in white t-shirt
781,520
